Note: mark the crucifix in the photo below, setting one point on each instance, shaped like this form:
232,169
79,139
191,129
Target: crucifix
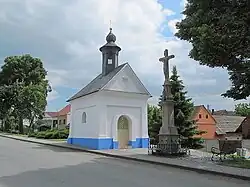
165,61
166,87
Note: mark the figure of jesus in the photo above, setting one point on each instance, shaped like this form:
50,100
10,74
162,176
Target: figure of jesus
165,61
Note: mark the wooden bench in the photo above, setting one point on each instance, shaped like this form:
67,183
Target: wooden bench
226,147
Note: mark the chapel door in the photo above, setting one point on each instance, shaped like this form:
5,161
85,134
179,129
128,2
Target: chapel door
123,132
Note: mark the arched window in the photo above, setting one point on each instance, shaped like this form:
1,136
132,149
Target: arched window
84,117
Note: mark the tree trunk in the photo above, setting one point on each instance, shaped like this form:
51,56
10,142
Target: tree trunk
31,126
6,125
20,125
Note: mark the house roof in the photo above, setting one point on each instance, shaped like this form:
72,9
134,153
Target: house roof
97,83
196,111
52,114
64,111
227,123
198,108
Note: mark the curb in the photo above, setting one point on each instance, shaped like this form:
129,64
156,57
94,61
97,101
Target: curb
199,170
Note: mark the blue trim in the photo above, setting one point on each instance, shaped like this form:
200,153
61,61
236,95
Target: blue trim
139,143
94,143
115,145
106,143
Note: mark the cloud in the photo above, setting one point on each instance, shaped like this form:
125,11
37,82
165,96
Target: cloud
172,25
52,95
67,36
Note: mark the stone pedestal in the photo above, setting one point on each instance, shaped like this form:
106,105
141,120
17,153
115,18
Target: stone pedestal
168,136
169,143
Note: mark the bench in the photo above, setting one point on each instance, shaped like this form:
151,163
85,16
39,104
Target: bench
226,147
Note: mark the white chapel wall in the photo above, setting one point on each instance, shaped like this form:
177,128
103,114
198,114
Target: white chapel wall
88,129
115,104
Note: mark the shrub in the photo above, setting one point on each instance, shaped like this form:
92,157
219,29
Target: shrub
51,134
48,135
32,134
41,134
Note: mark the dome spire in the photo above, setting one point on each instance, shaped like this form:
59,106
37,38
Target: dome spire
110,52
110,37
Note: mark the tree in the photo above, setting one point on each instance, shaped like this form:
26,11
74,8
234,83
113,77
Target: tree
242,109
183,109
154,121
24,78
219,33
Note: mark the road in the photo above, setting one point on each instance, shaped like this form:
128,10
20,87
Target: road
25,164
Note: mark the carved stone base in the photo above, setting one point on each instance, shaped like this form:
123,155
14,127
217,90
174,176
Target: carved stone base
169,143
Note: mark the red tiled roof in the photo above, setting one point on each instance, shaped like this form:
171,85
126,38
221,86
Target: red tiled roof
64,111
52,114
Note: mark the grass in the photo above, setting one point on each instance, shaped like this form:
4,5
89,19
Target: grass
58,140
240,163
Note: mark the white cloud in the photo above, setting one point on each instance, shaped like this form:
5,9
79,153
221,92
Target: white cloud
172,25
66,35
52,95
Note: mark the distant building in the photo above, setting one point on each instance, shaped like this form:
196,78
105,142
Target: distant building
204,121
221,124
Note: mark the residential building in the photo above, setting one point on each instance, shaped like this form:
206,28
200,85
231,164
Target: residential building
50,119
204,121
227,126
64,117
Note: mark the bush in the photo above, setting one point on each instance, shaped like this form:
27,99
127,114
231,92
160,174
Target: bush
41,134
51,134
32,134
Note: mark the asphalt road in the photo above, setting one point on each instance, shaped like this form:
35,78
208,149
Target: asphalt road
32,165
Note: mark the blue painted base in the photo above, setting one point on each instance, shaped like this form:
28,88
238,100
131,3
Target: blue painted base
106,143
139,143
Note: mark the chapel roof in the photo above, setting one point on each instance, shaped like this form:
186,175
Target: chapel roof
97,83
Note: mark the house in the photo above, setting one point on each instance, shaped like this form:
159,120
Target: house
50,119
111,111
227,126
244,128
63,117
204,121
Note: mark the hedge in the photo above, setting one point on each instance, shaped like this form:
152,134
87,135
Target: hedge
51,134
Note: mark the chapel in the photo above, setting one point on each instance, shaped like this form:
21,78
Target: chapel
111,111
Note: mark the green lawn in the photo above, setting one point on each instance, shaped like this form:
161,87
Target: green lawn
58,140
240,163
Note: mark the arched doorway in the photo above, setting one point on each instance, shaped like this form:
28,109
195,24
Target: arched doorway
123,132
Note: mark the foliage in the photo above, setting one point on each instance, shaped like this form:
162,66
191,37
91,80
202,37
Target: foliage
23,89
219,33
51,134
183,109
242,109
154,121
237,161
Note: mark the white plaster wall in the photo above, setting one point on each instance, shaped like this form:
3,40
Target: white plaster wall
90,129
114,104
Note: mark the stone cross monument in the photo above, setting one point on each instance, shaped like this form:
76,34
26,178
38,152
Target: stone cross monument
168,135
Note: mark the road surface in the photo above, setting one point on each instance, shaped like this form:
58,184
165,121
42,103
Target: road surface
25,164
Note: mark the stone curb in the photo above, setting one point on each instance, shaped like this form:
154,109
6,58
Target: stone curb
199,170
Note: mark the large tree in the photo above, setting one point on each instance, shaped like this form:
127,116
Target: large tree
183,109
24,78
242,109
219,33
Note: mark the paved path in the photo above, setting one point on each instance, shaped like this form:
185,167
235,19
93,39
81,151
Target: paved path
24,164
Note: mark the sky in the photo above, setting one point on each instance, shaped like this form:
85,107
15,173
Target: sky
66,36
